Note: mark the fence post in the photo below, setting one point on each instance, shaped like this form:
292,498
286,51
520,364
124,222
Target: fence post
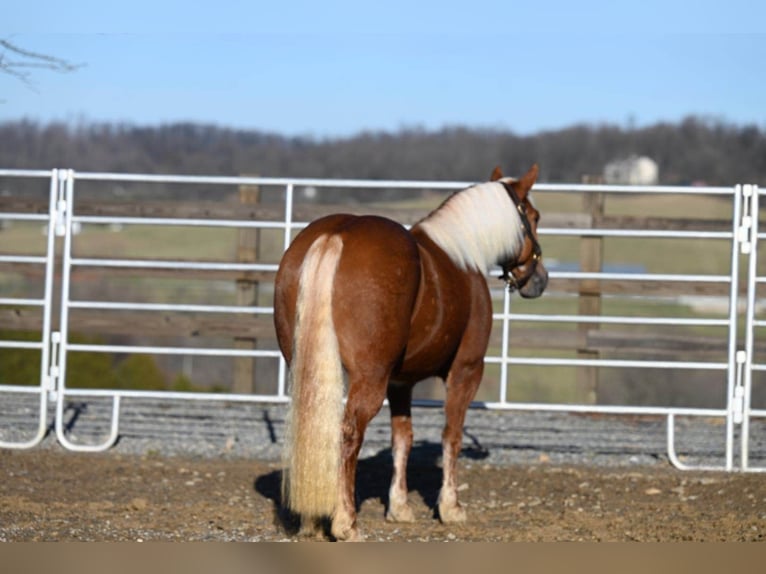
248,251
589,296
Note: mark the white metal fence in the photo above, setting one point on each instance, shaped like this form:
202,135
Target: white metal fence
55,346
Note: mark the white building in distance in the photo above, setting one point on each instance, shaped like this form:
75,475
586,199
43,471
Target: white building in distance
634,170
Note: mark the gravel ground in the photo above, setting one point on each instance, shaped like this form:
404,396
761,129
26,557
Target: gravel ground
255,431
210,471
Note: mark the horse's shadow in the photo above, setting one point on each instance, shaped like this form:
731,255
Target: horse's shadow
373,478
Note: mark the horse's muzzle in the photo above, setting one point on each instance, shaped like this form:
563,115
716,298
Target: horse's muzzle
536,284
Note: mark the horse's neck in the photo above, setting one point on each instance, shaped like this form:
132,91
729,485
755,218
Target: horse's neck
476,228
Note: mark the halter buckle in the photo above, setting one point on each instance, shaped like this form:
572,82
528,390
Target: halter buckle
510,281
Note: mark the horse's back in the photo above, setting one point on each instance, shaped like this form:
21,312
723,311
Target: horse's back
374,289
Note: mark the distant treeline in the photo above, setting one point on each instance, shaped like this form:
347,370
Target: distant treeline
693,150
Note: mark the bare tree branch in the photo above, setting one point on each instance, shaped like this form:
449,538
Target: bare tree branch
18,62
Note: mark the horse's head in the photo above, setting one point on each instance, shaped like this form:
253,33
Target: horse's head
525,271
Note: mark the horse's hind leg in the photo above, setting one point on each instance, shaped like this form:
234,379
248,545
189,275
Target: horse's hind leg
462,382
365,397
400,402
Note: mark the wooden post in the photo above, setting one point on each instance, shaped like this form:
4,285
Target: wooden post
589,300
248,251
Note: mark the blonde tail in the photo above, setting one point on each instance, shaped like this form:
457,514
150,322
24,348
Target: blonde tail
312,454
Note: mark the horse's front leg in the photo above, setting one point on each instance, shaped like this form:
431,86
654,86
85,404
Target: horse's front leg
364,401
462,382
400,402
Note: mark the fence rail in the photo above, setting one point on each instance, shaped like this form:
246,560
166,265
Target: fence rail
248,324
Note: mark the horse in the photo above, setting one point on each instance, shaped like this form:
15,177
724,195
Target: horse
386,306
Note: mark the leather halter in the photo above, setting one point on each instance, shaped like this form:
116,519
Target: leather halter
537,251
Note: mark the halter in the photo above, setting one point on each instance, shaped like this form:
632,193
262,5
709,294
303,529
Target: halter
537,251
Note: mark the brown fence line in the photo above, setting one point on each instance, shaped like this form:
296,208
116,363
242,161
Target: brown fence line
202,209
226,326
306,212
145,323
23,205
608,340
556,285
95,274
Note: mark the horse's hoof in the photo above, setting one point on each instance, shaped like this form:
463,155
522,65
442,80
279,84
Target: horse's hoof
401,513
348,535
454,513
311,528
346,531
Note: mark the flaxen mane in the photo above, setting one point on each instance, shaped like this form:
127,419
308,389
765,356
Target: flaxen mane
476,227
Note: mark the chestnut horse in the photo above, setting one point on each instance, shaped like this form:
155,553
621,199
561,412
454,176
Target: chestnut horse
362,295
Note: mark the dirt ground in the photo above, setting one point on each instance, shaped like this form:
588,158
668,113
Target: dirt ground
56,496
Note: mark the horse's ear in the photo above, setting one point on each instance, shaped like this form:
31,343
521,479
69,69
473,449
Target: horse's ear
497,173
527,181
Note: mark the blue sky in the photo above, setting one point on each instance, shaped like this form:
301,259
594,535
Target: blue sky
329,68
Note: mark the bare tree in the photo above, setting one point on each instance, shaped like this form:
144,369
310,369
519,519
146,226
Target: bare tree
20,63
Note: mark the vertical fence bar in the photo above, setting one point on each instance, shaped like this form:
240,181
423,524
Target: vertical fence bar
752,276
67,191
289,189
731,372
288,214
281,381
505,343
67,183
45,361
